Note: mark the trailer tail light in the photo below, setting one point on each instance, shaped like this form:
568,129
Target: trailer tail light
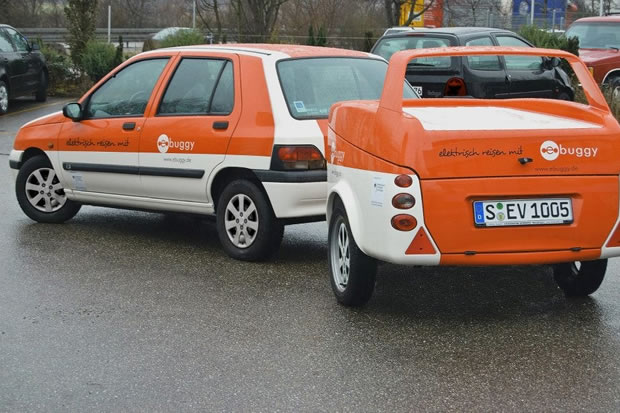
403,201
297,157
404,222
403,181
455,87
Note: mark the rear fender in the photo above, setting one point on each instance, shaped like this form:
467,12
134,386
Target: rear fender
343,191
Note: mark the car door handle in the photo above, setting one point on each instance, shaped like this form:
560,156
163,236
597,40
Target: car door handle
220,125
129,125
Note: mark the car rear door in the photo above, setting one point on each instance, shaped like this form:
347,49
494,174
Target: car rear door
528,78
99,154
28,62
187,133
485,76
13,62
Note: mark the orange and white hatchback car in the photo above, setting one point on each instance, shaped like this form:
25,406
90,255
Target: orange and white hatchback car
473,182
236,130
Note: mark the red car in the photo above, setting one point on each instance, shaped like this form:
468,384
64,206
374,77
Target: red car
599,44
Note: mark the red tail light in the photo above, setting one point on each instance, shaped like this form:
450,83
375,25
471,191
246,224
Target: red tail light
403,201
297,157
455,87
404,222
404,181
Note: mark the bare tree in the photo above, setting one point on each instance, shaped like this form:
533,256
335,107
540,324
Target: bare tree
257,18
210,13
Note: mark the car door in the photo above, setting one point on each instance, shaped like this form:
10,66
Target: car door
28,62
528,78
99,154
485,76
14,64
188,133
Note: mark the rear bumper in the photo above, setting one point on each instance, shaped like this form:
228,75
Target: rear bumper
297,199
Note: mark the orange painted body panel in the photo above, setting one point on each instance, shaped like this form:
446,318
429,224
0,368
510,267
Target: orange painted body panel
448,211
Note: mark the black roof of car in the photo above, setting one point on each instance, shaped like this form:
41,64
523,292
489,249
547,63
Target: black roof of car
456,31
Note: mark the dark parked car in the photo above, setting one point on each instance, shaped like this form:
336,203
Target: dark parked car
477,76
22,68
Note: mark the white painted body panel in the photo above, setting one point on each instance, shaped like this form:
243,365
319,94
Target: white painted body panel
370,214
607,252
490,118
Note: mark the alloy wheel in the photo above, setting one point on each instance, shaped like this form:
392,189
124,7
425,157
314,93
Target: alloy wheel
44,191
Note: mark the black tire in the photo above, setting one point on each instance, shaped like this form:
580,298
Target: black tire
255,236
352,286
59,210
4,98
579,279
41,95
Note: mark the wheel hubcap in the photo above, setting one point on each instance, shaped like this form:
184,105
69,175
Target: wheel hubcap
44,191
241,221
340,255
4,98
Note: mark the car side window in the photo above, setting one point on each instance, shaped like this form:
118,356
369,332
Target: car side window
519,62
5,42
20,43
482,62
127,92
199,86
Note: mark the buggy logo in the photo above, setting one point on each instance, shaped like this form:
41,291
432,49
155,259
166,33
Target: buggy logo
551,150
164,143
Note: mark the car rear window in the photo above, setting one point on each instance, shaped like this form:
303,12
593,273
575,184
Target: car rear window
312,85
596,35
388,46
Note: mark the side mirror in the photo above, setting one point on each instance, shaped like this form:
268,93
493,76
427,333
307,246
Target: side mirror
34,46
551,62
73,111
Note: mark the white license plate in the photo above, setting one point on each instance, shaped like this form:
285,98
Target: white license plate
539,211
418,90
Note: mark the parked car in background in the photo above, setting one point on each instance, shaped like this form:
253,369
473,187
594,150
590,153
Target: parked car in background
397,29
235,131
599,48
467,182
23,71
478,76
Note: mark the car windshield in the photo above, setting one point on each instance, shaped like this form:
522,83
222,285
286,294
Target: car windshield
388,46
596,35
312,85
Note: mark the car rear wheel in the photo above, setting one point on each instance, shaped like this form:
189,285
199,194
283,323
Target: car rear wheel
352,273
4,98
246,225
41,95
580,278
41,195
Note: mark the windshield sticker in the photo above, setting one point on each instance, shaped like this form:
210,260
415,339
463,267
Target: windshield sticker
299,106
377,194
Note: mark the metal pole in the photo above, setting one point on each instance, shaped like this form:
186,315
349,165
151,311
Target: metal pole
109,22
600,13
532,13
194,14
553,22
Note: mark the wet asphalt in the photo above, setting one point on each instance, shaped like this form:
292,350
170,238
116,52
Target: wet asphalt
131,311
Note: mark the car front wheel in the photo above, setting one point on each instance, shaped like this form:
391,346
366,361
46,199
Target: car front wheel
580,278
41,195
352,273
246,225
4,98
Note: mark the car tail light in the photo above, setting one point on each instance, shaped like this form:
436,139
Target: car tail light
404,222
297,157
455,87
403,201
404,181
